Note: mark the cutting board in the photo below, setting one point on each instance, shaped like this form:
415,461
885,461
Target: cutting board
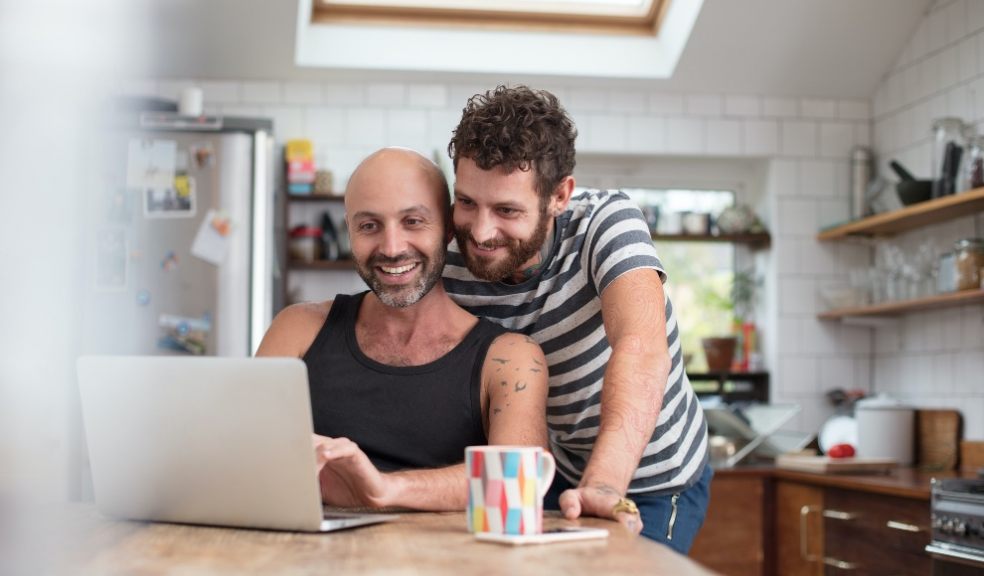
828,465
938,434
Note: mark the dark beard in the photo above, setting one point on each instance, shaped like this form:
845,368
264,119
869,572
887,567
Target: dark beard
517,251
403,296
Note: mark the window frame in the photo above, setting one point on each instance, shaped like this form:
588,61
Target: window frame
561,17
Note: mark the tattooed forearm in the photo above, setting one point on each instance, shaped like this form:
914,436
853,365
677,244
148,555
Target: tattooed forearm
500,360
520,386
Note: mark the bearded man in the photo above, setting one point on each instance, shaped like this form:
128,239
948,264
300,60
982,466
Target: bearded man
579,274
402,379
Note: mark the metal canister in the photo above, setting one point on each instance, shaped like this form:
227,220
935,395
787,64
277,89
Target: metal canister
860,176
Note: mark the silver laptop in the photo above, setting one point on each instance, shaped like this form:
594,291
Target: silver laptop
217,441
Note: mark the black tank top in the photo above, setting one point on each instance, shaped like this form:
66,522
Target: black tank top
400,416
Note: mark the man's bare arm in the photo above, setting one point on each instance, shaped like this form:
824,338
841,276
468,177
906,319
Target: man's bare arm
515,381
348,478
293,330
633,309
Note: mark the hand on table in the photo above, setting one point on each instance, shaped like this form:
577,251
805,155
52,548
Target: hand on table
597,500
346,475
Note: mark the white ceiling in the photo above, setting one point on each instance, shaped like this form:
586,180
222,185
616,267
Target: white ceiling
823,48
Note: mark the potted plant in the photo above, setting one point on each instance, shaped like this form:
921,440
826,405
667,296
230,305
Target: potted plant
719,351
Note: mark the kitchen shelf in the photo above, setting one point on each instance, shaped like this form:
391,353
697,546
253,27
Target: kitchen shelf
910,217
904,306
322,265
753,240
732,386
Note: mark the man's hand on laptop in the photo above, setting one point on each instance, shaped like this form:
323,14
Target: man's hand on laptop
347,476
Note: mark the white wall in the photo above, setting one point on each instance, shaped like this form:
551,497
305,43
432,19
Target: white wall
803,142
934,358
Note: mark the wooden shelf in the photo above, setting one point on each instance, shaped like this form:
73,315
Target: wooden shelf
904,306
754,240
304,199
910,217
732,386
322,265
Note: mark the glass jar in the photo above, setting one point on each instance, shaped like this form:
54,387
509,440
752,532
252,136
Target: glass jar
305,243
948,147
972,173
969,256
946,274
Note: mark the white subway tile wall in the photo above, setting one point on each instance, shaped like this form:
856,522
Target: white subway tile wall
934,358
804,141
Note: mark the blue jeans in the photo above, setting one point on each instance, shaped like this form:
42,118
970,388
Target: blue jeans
656,510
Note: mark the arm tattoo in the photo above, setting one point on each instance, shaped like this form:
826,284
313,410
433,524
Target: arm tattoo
500,360
520,386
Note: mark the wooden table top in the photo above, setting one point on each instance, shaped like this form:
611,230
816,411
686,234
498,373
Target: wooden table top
416,543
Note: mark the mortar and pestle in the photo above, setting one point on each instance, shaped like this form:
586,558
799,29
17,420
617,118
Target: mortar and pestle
911,190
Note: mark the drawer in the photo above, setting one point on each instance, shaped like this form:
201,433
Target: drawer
846,554
900,524
875,534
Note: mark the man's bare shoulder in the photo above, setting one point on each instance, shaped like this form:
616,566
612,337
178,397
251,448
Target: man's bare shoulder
294,329
513,348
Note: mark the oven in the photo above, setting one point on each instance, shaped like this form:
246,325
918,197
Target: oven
957,509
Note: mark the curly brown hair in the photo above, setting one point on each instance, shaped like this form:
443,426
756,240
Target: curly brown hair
517,128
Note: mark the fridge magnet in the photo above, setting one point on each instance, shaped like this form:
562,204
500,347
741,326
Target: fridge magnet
181,160
120,206
111,260
170,261
175,201
212,240
183,333
203,155
150,164
143,297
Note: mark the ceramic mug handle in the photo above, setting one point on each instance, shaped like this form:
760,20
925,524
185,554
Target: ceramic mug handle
547,469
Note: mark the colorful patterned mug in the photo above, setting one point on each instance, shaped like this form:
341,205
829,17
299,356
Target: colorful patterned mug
506,486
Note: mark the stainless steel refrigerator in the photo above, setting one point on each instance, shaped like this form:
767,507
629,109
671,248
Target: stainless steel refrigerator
180,237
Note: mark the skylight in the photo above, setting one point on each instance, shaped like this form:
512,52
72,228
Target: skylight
487,39
601,16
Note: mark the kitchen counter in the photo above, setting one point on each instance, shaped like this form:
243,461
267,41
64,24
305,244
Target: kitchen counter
901,482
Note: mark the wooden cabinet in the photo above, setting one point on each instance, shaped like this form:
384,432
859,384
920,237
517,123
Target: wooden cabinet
777,522
733,540
799,539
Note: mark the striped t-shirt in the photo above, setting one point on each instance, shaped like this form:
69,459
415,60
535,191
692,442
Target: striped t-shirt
600,236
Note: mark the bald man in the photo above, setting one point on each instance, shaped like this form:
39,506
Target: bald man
402,379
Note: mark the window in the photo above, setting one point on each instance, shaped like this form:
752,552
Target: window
700,273
634,17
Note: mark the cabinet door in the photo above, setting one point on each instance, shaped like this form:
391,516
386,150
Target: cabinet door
732,538
799,529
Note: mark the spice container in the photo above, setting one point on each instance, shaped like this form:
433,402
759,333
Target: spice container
305,243
969,256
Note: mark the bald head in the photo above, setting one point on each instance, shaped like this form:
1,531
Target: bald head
386,176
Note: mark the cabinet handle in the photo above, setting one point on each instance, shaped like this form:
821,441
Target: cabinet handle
839,515
839,564
805,512
902,526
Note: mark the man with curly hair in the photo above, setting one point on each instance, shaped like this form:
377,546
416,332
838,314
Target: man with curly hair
580,276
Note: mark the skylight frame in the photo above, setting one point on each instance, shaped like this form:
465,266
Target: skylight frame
577,16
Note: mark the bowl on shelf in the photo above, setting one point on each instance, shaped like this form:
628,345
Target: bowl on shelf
914,191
